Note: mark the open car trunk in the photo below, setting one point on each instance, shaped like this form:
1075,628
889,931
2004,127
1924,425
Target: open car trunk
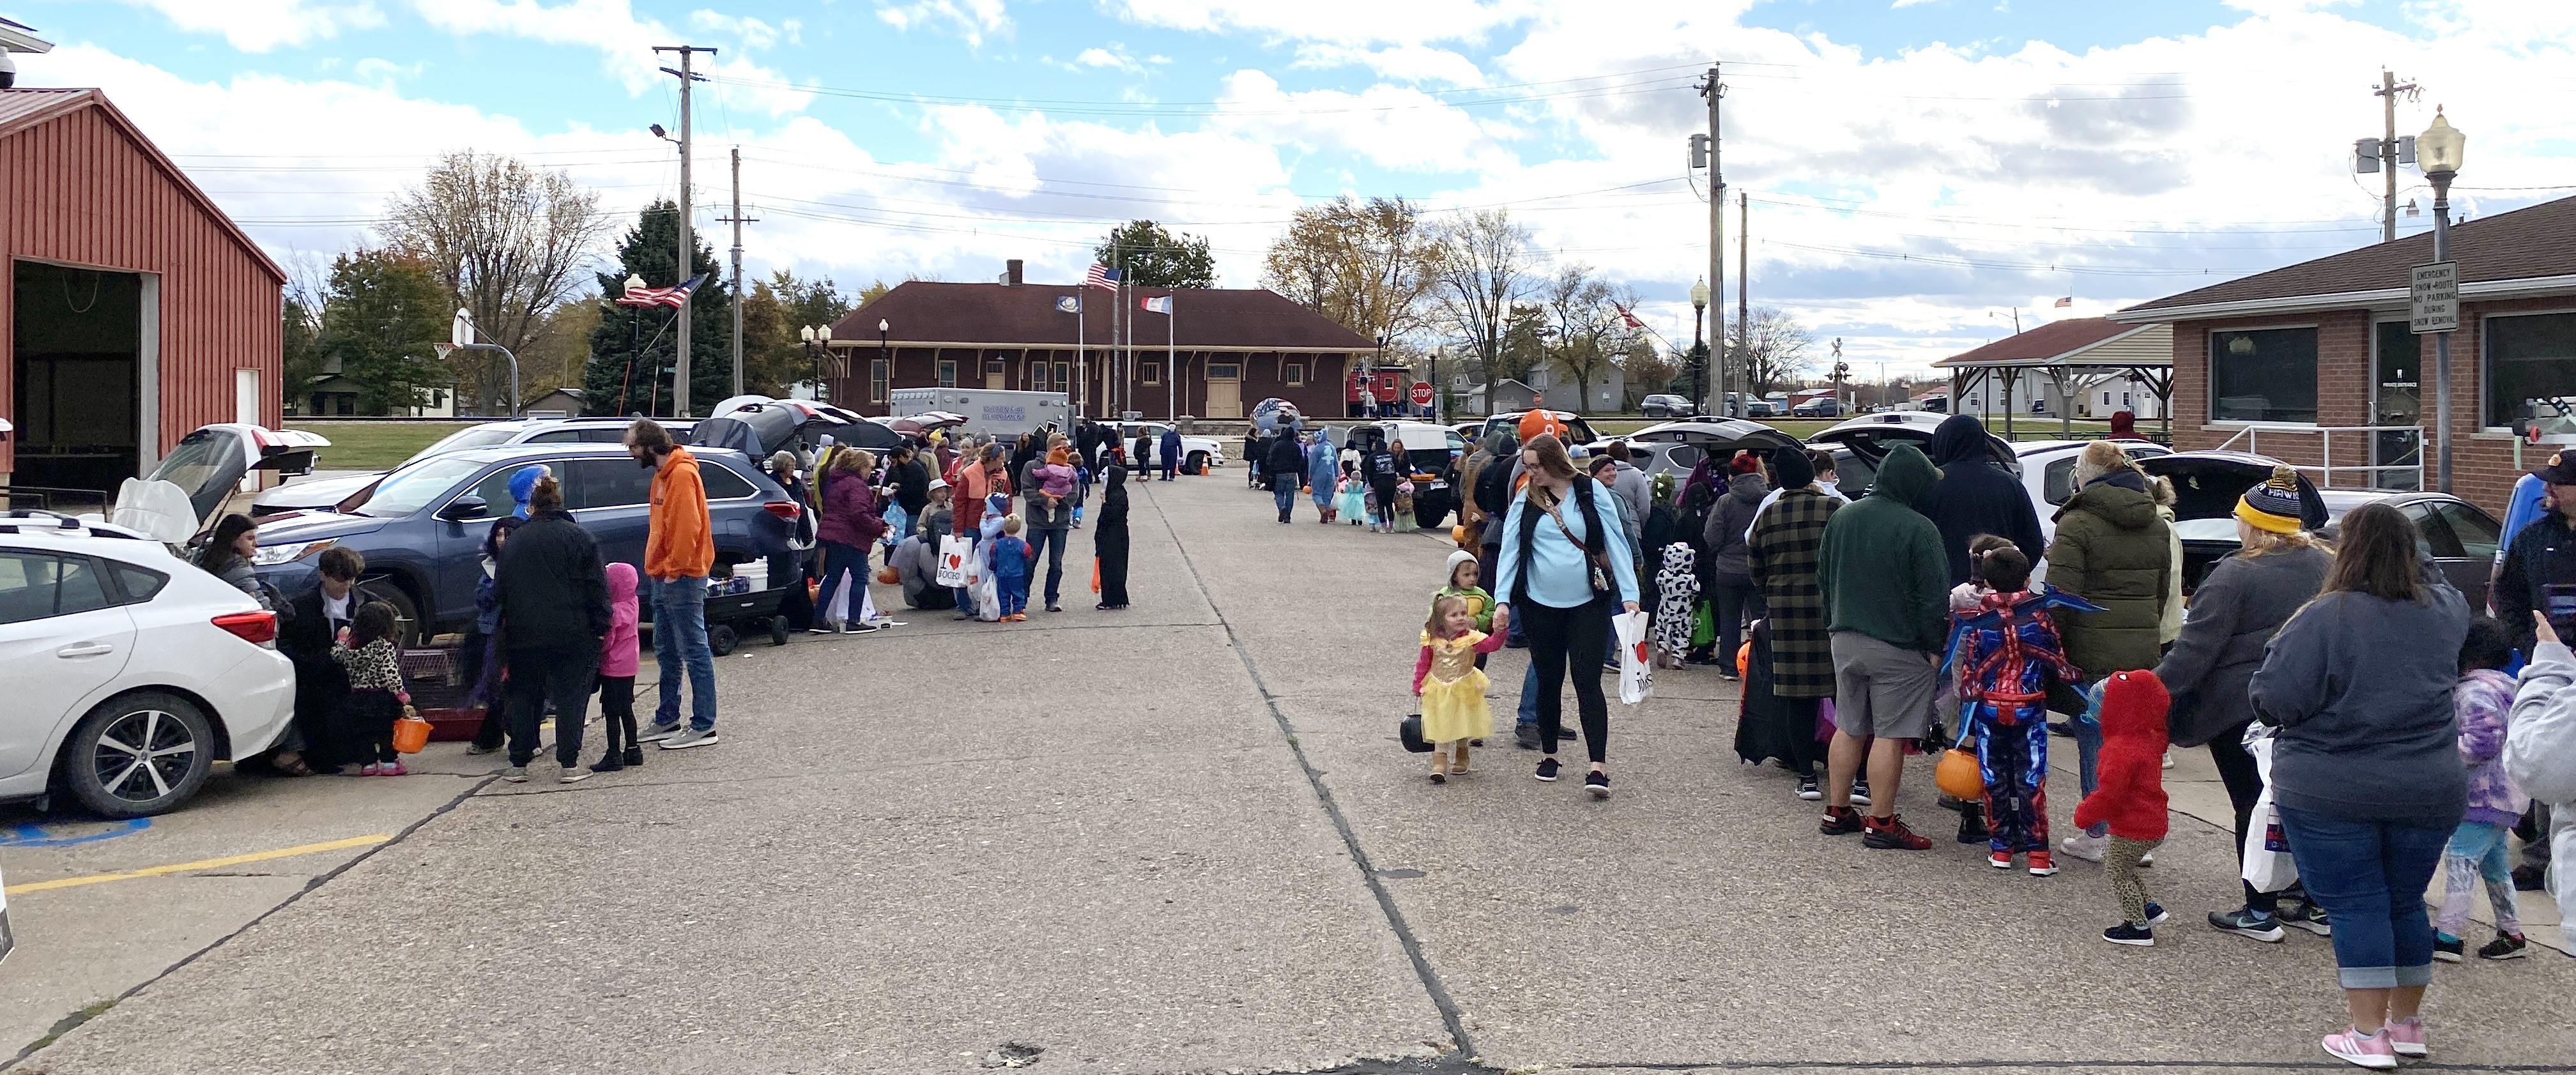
1869,445
204,470
2206,488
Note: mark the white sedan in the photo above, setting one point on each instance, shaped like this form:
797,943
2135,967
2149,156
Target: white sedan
130,671
2048,472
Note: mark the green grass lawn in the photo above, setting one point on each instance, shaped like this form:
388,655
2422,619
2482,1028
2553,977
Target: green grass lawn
373,445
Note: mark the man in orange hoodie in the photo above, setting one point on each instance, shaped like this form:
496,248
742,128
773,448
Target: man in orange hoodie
679,550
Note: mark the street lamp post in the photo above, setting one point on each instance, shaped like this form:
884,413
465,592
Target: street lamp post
2438,152
885,357
634,340
1699,366
817,341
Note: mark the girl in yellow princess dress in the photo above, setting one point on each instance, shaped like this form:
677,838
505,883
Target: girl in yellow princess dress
1452,688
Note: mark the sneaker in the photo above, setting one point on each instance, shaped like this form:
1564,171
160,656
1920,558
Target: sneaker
2247,922
2307,916
2001,860
858,628
478,748
574,775
1729,676
2062,728
1054,607
1439,778
694,737
2354,1047
1546,770
393,768
1598,783
2504,946
2041,865
516,774
1860,792
2156,914
658,730
1525,736
1891,835
2406,1036
2447,948
609,763
368,769
1808,790
1972,826
821,628
2125,933
634,757
2088,848
2168,757
1839,821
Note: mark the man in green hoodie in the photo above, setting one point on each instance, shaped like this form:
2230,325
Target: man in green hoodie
1885,583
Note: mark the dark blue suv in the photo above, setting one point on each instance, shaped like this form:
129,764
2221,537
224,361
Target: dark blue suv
421,528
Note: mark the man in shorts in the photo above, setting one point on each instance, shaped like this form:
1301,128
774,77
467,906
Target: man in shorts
1885,583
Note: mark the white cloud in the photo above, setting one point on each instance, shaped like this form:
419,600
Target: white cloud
971,20
261,25
1415,63
1351,22
750,32
1116,61
1906,4
624,41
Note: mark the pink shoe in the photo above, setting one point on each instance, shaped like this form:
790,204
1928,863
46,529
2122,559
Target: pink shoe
2351,1047
2406,1036
392,768
368,769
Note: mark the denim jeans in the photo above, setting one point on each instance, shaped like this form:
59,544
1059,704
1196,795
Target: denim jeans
1286,497
1052,542
563,675
680,645
2088,748
1528,715
2477,854
841,560
2370,877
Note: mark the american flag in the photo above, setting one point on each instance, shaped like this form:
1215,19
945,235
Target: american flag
674,297
1101,276
1628,318
2066,302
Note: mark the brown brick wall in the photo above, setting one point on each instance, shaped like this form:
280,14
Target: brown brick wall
2483,468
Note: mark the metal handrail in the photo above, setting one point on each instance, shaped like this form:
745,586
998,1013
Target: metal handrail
2326,468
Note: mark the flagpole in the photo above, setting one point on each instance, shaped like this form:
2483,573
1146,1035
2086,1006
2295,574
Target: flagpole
1078,318
1172,357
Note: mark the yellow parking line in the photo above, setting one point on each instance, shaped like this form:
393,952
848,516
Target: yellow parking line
202,864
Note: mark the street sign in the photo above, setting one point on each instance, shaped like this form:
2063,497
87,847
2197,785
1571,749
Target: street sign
2433,298
1421,393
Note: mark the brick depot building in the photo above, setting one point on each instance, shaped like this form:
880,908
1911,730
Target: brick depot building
2293,363
1219,352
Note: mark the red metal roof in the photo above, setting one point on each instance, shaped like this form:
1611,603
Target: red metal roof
24,109
928,314
2045,342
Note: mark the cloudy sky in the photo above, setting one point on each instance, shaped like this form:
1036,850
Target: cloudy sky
1915,169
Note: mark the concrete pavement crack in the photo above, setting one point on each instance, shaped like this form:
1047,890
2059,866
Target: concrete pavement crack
1431,983
72,1022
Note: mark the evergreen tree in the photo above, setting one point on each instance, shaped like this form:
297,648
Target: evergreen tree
1148,256
382,315
622,380
303,360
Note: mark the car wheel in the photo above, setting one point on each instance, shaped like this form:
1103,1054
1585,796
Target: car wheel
1198,463
408,629
720,639
138,755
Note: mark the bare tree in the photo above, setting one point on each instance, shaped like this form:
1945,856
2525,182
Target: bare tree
1366,264
508,241
1583,328
1483,264
1773,349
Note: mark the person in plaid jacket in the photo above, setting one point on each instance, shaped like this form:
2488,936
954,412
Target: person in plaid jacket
1782,549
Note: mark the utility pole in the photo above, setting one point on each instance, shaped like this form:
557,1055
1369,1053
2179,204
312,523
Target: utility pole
2388,146
1715,91
688,226
737,220
1743,281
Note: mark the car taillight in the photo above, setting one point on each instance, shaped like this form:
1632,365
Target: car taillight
784,509
257,628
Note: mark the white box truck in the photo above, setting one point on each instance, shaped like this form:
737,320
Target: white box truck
997,411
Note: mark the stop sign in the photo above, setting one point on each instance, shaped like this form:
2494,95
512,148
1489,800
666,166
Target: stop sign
1421,393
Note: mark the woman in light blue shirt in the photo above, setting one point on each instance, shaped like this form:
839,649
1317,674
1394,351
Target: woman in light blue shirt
1564,565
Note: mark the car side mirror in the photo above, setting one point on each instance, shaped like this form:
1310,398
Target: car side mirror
464,507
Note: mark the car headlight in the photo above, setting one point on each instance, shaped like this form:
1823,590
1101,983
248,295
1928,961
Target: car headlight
289,552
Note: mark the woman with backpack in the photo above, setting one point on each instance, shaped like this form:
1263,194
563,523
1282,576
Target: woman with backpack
1565,567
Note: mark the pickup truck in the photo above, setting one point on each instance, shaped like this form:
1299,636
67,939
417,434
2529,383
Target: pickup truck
1195,450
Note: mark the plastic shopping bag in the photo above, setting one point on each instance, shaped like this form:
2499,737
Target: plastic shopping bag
953,551
1636,671
2268,866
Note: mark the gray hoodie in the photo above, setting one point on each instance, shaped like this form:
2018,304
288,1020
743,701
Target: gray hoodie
1728,520
2360,687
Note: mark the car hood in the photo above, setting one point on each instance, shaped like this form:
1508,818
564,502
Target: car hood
315,526
313,494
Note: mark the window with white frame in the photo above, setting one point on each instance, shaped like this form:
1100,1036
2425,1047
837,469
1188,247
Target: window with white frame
1293,374
947,373
880,376
1150,372
2263,375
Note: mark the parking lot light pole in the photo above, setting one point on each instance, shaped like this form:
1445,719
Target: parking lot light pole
1699,366
2438,152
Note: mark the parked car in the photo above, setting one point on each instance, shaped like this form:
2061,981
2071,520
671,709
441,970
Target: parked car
1859,443
2048,472
1509,424
1661,405
1676,447
421,528
1432,452
1196,451
757,426
322,494
2459,537
1819,407
130,671
1471,432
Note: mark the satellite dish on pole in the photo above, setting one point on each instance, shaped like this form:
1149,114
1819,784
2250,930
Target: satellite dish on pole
460,333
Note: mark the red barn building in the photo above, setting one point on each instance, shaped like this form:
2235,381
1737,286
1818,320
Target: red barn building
1218,352
136,310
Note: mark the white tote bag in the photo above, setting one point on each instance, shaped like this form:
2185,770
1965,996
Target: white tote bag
953,551
1636,672
2268,866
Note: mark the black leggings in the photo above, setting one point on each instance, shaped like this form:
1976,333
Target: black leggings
2244,784
1554,633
